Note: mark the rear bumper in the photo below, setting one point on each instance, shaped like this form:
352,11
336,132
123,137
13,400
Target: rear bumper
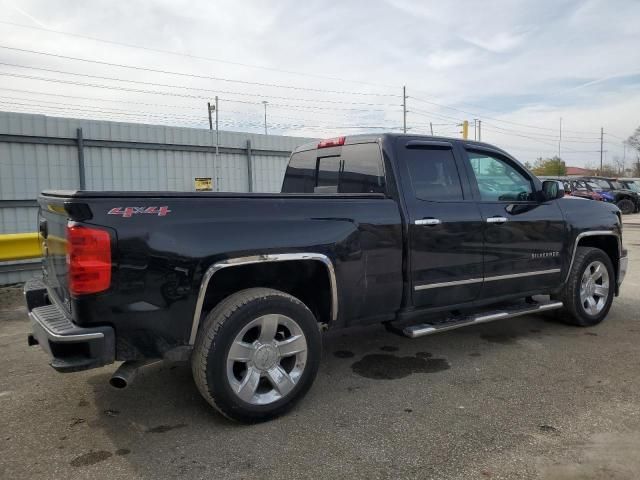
70,347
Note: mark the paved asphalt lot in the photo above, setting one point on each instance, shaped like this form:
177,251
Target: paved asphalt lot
522,398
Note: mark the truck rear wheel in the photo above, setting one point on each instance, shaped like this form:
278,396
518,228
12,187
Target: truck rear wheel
256,354
588,293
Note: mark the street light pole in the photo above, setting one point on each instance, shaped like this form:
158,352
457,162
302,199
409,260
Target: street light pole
264,102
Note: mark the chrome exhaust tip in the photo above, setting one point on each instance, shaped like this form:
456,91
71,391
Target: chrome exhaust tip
126,373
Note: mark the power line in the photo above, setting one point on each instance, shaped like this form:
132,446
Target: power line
191,75
155,84
474,114
189,107
155,92
163,115
248,82
198,57
615,136
498,112
544,136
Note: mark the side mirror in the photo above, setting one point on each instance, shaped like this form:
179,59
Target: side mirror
552,189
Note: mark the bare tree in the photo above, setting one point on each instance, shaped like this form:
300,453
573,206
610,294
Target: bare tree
634,142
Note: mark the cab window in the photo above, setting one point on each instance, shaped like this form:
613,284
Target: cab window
354,168
433,173
498,179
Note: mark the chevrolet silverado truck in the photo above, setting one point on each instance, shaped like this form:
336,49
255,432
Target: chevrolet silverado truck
423,234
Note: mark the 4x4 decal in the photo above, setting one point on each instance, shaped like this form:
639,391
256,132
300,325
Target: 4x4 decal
128,212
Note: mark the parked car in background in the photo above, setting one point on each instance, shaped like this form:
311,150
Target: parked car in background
626,200
578,188
630,184
585,189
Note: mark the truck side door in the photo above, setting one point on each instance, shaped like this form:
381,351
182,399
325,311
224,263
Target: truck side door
444,225
524,236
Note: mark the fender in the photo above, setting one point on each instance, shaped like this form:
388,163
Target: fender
280,257
594,233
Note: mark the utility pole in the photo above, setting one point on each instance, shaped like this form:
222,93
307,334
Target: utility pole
479,130
431,128
264,102
560,138
214,108
404,109
601,146
217,131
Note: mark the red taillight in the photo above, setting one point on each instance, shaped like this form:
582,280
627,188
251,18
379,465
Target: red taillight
88,259
332,142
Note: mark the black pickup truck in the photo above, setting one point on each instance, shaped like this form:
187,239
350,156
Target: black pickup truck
424,234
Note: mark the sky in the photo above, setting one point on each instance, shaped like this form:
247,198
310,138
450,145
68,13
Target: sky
326,68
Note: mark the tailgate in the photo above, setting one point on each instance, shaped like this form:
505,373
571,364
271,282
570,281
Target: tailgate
52,223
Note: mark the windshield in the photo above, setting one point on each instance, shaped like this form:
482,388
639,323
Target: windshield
633,186
618,185
603,184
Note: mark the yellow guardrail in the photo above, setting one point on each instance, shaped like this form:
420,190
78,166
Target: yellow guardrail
19,246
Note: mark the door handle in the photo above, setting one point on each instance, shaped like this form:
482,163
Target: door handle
497,220
428,221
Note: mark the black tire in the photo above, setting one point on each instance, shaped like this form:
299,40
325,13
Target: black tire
575,312
221,328
626,206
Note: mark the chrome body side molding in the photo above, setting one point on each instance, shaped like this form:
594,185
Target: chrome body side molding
427,286
278,257
523,274
485,279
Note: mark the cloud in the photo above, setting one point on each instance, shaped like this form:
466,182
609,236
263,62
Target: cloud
519,65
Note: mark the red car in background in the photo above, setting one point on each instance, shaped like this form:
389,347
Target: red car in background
579,188
585,189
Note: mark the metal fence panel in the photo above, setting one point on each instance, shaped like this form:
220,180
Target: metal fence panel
28,167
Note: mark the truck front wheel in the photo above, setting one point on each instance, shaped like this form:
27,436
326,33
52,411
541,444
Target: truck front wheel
588,293
256,354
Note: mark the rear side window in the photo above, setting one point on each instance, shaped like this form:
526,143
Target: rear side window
348,169
434,175
362,170
300,176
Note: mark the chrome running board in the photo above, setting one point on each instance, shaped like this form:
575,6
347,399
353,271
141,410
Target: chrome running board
510,311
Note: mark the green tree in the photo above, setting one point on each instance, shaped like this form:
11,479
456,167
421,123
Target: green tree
549,167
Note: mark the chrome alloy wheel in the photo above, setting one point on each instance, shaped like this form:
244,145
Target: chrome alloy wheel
266,359
594,288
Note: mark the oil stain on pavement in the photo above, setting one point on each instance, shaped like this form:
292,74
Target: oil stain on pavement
165,428
389,367
343,354
90,458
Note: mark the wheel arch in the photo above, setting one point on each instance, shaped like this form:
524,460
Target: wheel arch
318,266
606,240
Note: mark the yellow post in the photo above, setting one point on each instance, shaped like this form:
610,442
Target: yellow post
465,129
19,246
